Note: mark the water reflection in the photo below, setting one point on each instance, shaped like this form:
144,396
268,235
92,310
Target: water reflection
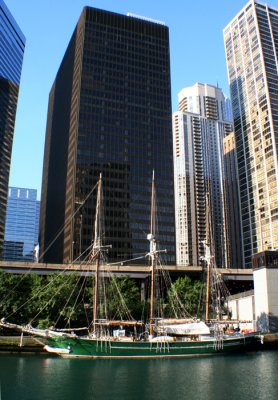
234,377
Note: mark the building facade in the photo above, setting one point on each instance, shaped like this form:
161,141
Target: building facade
110,112
12,43
199,128
251,44
233,228
229,115
22,225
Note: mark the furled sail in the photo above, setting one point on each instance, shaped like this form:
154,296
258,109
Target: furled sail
190,328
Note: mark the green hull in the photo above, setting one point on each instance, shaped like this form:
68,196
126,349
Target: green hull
92,348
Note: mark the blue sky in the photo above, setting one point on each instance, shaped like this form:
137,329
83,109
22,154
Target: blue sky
197,55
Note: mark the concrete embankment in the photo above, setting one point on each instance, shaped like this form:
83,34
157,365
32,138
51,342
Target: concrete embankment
268,341
18,344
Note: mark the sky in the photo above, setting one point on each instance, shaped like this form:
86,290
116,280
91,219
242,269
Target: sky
196,51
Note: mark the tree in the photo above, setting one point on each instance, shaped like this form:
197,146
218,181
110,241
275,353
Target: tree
123,298
44,301
14,295
61,301
187,292
64,300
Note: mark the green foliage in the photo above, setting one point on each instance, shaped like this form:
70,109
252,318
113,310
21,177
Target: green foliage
63,300
43,323
67,300
187,292
123,298
44,300
14,294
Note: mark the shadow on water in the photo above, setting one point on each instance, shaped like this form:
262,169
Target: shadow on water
233,377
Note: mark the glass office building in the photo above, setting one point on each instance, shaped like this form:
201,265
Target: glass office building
110,112
12,43
251,44
22,225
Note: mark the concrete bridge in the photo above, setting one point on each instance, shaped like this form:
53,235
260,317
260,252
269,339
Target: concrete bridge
135,271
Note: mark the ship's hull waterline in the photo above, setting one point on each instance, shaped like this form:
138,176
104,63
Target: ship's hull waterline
103,349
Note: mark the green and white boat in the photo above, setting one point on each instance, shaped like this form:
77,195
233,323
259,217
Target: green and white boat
176,337
159,347
70,345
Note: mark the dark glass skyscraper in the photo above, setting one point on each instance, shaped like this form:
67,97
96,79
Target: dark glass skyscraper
110,112
12,43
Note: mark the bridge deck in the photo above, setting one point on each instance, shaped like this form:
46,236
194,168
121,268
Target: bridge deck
131,270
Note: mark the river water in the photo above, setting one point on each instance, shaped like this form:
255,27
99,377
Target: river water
250,376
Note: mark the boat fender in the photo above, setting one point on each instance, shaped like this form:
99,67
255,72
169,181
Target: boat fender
262,339
174,338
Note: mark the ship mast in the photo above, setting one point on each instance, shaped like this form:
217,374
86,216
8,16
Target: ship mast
208,255
96,292
98,248
151,238
208,291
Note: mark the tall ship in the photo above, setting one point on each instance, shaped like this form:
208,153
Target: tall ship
120,336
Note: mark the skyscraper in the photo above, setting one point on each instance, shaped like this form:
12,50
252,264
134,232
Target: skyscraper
110,112
229,116
251,44
233,231
22,225
12,43
199,128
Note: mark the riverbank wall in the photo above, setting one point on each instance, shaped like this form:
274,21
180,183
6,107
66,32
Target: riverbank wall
20,344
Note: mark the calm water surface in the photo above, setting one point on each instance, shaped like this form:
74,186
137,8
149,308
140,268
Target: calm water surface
241,377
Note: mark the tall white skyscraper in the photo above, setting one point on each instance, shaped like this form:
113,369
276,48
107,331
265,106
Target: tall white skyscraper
251,44
199,128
